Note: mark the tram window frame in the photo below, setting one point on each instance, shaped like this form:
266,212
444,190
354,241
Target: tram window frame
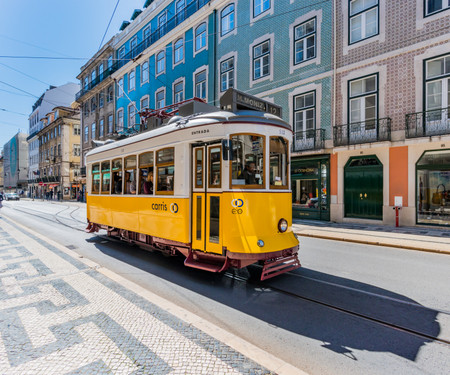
133,174
199,168
286,166
96,176
115,172
165,165
262,185
105,172
211,185
147,166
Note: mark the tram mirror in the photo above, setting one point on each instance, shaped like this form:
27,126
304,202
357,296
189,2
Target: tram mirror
227,151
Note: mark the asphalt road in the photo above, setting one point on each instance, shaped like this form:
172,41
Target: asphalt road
305,317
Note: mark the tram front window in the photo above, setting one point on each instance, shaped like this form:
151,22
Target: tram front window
248,161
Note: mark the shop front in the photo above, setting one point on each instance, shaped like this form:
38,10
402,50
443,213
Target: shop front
310,187
433,184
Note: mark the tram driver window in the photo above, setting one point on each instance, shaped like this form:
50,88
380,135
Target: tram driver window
130,175
116,177
248,161
146,173
278,172
95,178
165,168
215,166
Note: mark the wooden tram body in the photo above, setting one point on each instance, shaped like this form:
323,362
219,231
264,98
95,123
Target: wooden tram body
202,203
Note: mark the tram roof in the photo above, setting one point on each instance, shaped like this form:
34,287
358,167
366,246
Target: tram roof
179,123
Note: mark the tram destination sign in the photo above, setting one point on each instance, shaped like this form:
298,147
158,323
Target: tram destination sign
234,100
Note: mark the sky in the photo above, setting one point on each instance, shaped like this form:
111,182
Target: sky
45,42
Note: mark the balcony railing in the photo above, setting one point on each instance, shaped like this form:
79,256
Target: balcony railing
428,123
173,22
313,139
377,130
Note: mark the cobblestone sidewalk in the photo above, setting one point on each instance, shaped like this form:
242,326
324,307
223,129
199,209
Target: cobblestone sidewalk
60,315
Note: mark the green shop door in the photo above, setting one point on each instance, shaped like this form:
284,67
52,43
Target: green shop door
363,188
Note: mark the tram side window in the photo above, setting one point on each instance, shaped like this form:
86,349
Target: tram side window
215,167
95,178
199,168
117,177
146,173
278,173
165,168
106,177
248,161
130,175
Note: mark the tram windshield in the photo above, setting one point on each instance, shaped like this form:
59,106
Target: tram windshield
248,161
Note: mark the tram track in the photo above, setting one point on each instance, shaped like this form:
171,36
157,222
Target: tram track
343,310
51,217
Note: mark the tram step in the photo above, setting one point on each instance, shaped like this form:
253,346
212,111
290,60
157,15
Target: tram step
201,265
275,267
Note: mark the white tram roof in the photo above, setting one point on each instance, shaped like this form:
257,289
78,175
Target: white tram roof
178,123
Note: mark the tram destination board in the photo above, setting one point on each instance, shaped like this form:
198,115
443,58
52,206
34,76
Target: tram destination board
234,100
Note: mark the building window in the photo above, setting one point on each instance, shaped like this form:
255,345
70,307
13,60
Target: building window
260,6
86,133
200,85
200,37
363,19
131,115
76,150
144,103
227,20
363,102
160,99
101,128
162,23
93,134
93,104
144,72
101,99
261,60
305,41
100,71
437,83
146,33
86,82
119,126
180,8
93,75
110,96
132,80
76,129
227,74
435,6
120,87
110,124
160,62
110,61
178,51
178,95
304,120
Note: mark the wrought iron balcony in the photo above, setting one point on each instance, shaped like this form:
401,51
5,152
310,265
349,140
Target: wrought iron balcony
428,123
377,130
313,139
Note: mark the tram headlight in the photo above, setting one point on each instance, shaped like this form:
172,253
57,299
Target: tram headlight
282,225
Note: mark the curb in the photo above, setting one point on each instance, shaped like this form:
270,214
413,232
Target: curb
375,243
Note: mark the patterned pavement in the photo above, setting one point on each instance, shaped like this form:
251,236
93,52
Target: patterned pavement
61,315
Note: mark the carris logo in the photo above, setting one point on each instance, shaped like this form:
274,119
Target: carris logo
237,203
174,208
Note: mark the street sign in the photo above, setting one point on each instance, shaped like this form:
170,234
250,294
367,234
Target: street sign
41,183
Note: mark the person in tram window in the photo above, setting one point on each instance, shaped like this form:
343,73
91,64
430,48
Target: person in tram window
148,183
118,185
216,179
250,174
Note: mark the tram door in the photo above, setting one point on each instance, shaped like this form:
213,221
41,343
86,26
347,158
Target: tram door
206,198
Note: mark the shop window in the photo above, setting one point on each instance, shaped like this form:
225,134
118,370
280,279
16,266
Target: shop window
248,161
106,177
130,175
146,173
95,178
278,170
165,167
117,181
433,184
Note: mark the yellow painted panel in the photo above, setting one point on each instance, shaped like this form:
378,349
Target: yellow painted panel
249,217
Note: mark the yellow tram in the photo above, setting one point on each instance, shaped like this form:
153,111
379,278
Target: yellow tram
214,187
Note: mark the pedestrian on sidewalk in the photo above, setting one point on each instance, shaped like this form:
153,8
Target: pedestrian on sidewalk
1,199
